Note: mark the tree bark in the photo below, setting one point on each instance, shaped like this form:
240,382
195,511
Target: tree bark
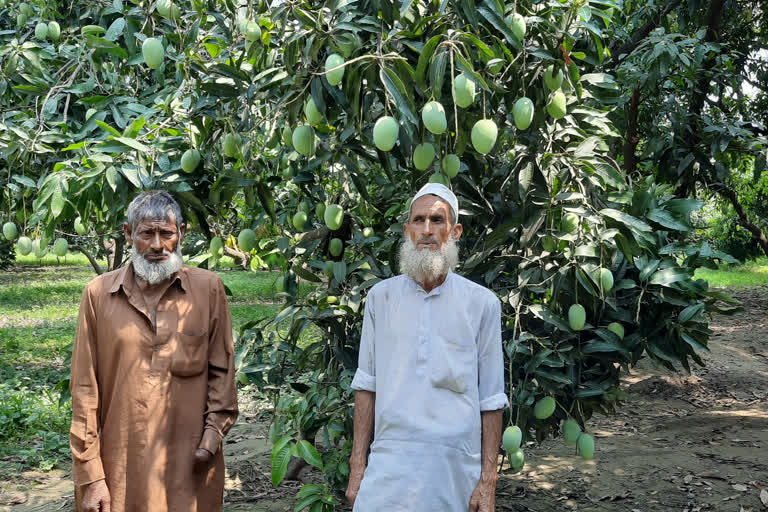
91,259
118,255
692,134
631,140
744,219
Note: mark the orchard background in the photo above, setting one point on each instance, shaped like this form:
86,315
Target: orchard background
635,164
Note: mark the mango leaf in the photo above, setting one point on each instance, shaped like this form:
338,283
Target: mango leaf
133,143
57,200
306,501
309,453
626,219
424,58
669,276
115,29
306,274
281,455
667,220
690,312
488,12
310,489
437,72
693,343
543,313
339,271
395,87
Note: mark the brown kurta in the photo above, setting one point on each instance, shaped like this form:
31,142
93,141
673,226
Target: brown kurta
146,395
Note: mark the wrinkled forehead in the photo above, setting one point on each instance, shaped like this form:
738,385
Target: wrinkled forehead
155,221
430,204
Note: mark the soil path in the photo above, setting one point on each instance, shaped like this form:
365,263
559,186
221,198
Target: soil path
684,443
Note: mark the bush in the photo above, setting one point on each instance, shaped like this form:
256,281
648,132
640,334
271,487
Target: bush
725,234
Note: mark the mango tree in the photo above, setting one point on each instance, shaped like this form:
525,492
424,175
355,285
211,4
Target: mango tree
312,124
375,99
93,115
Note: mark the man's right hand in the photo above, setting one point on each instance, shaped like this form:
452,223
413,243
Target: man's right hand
96,497
355,477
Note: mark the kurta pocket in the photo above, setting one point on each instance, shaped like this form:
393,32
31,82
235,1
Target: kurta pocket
190,356
452,364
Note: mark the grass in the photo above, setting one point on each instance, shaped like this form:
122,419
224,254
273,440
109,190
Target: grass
38,319
754,273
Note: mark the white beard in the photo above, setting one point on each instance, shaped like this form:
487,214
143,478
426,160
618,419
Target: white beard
154,273
426,265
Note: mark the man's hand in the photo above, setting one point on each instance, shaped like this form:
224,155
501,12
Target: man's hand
96,497
484,497
355,477
202,458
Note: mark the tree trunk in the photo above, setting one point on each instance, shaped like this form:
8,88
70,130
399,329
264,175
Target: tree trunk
631,140
95,264
118,255
744,220
692,135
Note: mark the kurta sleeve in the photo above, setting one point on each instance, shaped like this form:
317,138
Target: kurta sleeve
365,376
84,432
221,408
491,359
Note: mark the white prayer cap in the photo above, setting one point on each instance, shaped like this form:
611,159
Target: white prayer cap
441,191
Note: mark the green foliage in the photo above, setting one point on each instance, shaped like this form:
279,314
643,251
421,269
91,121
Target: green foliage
33,428
86,124
7,254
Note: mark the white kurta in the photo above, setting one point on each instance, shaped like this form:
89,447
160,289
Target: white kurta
435,362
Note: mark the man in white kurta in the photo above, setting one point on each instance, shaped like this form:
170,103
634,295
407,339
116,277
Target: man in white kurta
431,362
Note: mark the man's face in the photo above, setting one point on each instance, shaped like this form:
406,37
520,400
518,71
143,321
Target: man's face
155,238
429,226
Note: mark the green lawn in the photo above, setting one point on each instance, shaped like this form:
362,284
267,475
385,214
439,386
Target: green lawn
753,273
38,320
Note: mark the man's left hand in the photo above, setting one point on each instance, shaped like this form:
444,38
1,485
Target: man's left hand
202,458
484,497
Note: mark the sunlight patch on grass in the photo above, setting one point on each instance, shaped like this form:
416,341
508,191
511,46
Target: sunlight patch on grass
751,274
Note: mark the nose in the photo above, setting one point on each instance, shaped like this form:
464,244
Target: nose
427,227
156,244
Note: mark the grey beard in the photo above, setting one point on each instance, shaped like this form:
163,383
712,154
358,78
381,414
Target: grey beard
154,273
427,265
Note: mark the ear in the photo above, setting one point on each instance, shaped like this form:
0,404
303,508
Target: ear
457,230
128,232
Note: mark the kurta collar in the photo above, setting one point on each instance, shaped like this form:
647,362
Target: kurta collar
435,291
127,279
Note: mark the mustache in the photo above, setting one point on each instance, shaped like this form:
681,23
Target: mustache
431,239
153,252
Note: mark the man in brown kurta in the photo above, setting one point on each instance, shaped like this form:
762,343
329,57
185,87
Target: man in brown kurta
153,389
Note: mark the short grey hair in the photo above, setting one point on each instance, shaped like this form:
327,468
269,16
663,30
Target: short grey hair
153,204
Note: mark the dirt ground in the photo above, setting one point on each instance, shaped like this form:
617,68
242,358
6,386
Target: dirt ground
683,443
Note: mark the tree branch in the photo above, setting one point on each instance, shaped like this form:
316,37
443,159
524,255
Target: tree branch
744,219
692,135
240,257
631,139
619,53
91,259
